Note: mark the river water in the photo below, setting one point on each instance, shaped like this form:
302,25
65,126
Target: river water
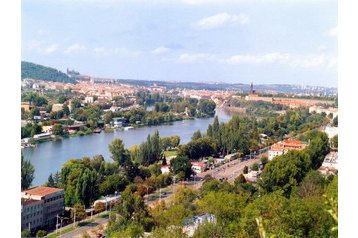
48,157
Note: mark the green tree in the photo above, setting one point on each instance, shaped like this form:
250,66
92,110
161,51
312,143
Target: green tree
34,112
26,233
285,172
76,103
57,129
135,154
246,170
113,183
151,149
240,179
255,167
335,121
334,141
62,99
41,233
27,173
196,135
181,164
78,211
118,152
175,141
50,181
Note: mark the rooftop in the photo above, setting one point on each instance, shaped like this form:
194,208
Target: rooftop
42,191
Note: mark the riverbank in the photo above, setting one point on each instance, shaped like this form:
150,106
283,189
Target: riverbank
49,157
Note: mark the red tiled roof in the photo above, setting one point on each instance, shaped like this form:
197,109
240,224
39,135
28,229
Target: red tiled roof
42,191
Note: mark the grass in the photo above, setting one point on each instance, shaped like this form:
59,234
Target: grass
83,223
169,153
106,214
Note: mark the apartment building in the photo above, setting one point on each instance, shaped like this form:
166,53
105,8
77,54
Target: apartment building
40,206
282,147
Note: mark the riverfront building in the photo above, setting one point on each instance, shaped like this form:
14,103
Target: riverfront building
283,147
40,206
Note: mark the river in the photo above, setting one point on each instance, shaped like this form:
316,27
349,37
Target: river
48,157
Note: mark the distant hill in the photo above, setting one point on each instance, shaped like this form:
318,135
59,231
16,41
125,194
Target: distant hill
39,72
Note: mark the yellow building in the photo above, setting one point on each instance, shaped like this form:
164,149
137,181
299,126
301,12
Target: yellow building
26,106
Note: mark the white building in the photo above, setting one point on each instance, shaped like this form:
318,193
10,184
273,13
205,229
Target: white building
165,169
89,99
198,167
191,225
330,164
331,131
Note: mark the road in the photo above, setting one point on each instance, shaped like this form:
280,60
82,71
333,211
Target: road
77,233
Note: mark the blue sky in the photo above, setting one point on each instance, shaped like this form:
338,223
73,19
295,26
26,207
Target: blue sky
242,41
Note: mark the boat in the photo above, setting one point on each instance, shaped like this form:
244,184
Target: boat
97,130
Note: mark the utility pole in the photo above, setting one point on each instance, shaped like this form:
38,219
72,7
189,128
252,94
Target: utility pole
160,193
74,220
56,223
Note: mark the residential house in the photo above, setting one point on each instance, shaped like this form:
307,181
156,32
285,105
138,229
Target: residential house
198,167
26,106
57,107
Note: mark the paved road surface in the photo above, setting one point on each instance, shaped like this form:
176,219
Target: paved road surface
77,233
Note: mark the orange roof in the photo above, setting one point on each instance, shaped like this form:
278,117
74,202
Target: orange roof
42,191
298,142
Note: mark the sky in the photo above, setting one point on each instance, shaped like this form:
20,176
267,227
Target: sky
232,41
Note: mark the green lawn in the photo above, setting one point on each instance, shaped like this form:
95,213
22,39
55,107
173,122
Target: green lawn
169,153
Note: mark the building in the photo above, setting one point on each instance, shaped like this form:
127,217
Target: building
327,111
331,131
31,214
108,200
89,100
47,129
330,164
165,169
118,122
57,107
198,167
192,224
252,176
283,147
45,135
40,205
26,106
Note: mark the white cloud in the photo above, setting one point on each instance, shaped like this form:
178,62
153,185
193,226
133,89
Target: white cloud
40,47
206,2
124,52
257,59
221,19
50,49
161,50
75,48
310,61
332,32
191,58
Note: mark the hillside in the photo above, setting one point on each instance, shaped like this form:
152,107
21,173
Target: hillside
36,71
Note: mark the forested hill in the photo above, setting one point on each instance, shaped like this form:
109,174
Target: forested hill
36,71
